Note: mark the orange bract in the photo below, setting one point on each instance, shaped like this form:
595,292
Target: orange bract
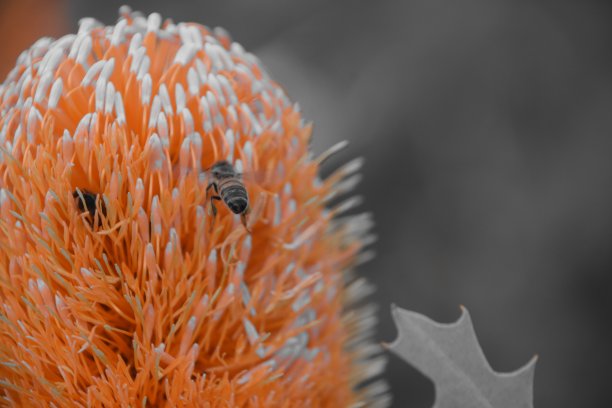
143,304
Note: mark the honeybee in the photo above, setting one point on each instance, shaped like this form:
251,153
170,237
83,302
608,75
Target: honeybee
86,201
228,187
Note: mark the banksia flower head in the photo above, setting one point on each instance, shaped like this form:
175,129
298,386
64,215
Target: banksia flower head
118,285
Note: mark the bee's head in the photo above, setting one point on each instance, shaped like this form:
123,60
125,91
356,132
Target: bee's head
222,169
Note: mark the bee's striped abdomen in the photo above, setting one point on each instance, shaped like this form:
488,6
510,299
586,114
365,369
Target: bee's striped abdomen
234,194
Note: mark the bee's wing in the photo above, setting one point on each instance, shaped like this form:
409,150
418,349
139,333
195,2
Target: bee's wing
206,175
252,176
255,176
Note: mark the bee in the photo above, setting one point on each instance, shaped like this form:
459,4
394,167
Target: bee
86,201
228,187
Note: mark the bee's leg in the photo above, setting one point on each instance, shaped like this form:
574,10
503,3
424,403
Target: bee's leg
213,185
214,210
243,218
212,204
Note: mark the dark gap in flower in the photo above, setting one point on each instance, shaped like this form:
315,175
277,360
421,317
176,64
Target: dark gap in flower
132,370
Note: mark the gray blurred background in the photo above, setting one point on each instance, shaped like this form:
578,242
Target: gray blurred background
487,132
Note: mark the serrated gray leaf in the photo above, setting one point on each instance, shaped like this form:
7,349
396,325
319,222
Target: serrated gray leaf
449,354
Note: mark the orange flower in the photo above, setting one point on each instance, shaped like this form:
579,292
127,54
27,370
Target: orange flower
118,287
